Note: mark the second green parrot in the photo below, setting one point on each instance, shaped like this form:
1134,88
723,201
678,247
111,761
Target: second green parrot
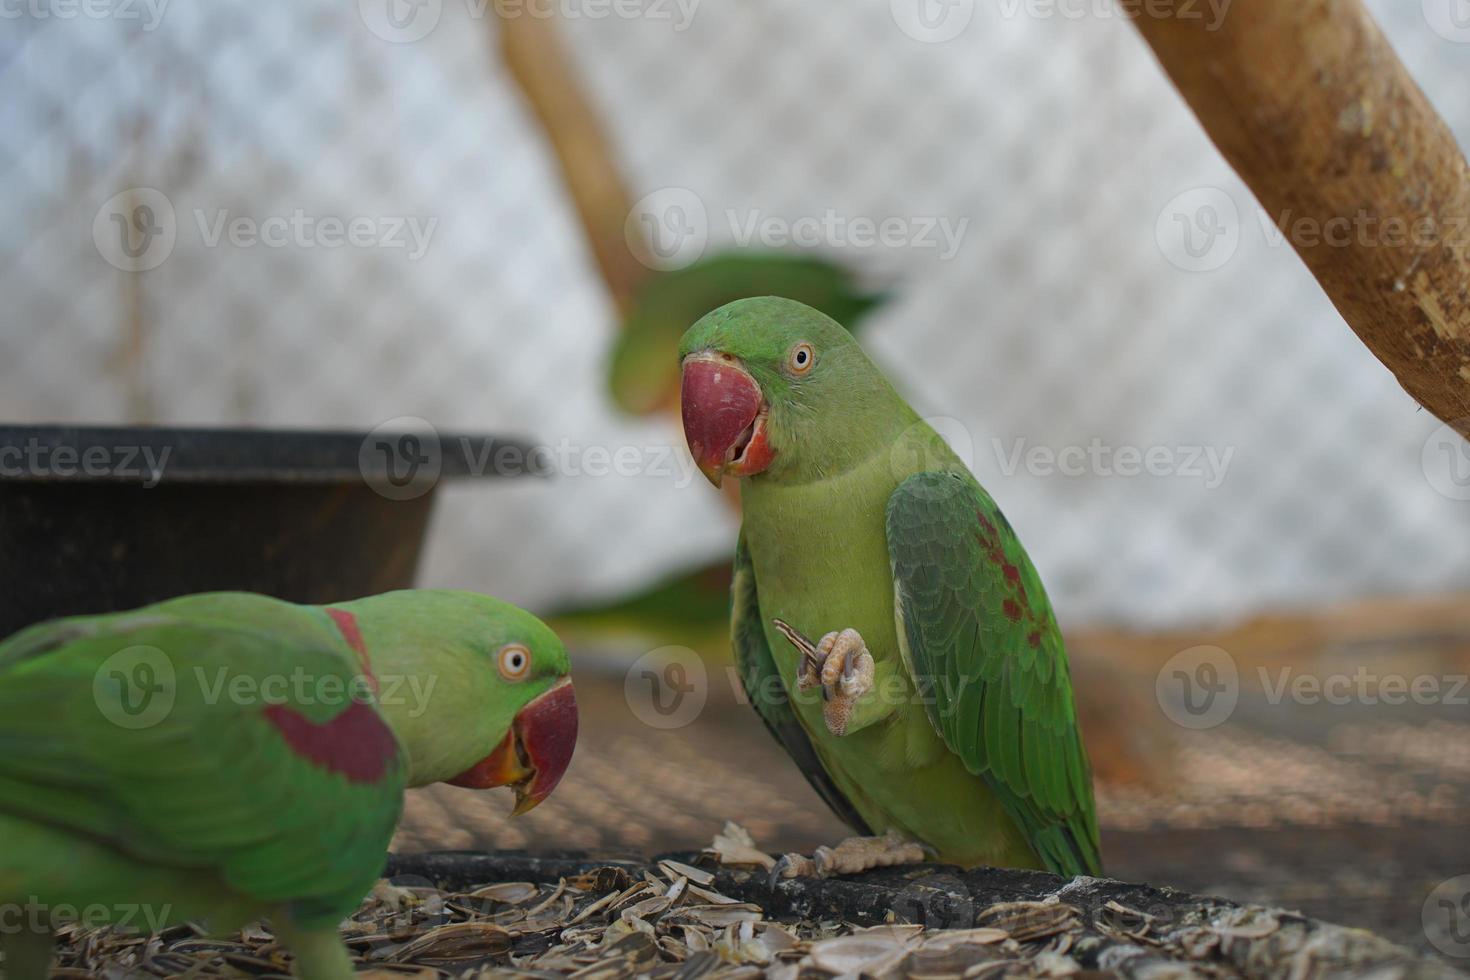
936,707
226,757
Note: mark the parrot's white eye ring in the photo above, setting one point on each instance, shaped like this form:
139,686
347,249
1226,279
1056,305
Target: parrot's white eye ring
513,661
802,358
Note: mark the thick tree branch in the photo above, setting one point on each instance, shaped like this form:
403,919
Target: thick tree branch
539,64
1311,106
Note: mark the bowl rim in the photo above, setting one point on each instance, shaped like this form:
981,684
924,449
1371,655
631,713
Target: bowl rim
149,455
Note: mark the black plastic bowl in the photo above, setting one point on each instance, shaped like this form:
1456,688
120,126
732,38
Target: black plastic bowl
102,519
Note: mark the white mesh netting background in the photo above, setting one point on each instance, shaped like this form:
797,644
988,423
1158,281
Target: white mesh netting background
1072,314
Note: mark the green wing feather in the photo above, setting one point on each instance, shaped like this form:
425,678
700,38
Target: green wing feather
213,785
767,692
979,636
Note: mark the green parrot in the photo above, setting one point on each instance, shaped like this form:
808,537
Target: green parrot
936,709
640,377
227,756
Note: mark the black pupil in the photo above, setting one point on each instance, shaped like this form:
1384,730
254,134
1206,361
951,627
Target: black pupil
801,357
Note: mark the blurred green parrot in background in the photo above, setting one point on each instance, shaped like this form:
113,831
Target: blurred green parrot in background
641,378
227,756
936,708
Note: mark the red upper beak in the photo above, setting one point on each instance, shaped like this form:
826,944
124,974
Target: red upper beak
535,753
724,417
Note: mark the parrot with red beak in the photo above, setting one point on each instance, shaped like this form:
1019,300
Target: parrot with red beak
934,713
226,757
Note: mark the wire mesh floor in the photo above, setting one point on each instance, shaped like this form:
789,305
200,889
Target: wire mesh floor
1353,822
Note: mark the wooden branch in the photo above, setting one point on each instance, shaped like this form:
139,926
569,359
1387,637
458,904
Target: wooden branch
1311,106
539,64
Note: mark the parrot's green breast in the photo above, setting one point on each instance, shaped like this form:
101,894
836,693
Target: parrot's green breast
821,563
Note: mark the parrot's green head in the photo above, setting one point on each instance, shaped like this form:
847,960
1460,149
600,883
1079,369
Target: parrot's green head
772,387
643,380
478,690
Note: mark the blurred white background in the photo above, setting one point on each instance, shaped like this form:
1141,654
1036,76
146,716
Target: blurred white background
1291,468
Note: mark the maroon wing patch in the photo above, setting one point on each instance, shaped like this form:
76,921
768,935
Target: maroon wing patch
357,743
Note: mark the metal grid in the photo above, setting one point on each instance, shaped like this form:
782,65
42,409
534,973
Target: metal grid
1071,312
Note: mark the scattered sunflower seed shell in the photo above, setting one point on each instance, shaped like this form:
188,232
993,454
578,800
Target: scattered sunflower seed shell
670,921
1027,921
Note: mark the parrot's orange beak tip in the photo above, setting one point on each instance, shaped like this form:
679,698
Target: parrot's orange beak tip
535,753
724,414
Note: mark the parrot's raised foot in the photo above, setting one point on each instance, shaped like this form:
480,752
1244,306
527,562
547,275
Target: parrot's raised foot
854,855
840,664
